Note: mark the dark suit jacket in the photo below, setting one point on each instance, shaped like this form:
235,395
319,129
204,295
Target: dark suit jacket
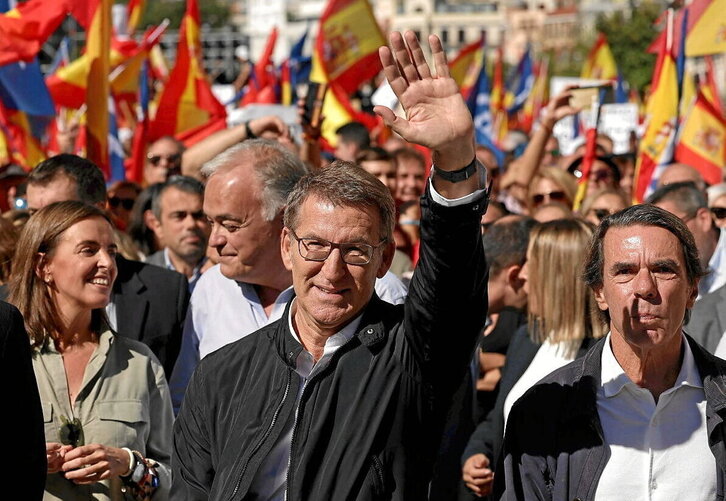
708,319
151,303
22,418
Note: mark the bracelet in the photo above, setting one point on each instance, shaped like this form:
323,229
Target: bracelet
144,480
455,176
132,462
248,131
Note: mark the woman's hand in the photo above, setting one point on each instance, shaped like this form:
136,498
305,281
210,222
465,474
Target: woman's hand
91,463
55,455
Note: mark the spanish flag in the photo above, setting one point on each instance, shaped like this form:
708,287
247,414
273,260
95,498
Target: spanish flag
344,56
600,64
537,98
500,119
707,30
348,42
261,88
656,146
187,108
24,29
134,11
98,42
465,67
702,140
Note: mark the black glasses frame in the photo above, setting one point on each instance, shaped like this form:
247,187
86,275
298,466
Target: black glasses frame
345,247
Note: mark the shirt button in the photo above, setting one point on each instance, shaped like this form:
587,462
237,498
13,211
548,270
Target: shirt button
653,485
369,331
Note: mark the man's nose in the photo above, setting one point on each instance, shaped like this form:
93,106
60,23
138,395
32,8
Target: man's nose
334,267
645,285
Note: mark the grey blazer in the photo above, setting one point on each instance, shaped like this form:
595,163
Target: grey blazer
708,319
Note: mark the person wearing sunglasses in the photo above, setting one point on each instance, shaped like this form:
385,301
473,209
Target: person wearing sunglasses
163,160
121,197
603,203
717,203
345,396
686,201
105,401
551,184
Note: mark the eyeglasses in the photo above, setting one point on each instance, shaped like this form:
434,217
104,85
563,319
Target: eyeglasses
173,160
553,196
318,249
71,432
718,212
126,203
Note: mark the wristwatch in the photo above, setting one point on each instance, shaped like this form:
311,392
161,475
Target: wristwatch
456,176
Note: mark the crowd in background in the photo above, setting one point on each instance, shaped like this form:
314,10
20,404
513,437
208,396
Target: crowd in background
125,288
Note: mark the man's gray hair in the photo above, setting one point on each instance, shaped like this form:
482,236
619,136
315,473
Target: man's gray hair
276,167
182,183
343,184
685,195
641,215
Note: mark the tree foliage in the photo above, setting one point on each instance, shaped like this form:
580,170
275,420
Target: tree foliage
213,13
629,38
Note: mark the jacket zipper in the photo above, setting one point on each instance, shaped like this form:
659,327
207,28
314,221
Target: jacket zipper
335,356
264,437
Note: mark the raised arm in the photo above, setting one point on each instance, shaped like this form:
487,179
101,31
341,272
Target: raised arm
446,305
436,115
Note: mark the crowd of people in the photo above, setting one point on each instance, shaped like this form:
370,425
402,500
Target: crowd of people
408,320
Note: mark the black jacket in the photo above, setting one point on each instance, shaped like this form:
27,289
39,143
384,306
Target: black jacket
22,419
554,447
151,303
488,437
368,425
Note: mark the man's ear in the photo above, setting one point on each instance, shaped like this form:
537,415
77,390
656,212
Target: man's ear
513,280
153,224
694,294
387,258
600,298
286,250
704,218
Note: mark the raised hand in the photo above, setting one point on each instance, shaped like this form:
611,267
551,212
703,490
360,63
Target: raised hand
436,114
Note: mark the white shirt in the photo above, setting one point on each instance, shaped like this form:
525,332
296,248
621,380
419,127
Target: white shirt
550,357
658,451
196,272
270,480
716,277
222,311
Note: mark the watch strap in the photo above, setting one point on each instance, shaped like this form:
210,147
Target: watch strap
456,176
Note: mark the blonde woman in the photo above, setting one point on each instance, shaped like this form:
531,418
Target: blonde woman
551,184
563,323
106,404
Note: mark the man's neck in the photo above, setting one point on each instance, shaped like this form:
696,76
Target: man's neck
655,369
268,296
184,266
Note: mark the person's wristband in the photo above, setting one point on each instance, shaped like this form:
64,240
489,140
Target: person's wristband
132,462
248,131
456,176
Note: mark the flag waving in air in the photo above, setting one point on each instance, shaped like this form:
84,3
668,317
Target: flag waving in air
656,146
187,105
600,63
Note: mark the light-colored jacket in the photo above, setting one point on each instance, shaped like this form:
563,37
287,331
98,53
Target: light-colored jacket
123,402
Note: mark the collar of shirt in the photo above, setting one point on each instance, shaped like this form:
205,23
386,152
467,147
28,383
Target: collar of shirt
195,273
613,378
305,364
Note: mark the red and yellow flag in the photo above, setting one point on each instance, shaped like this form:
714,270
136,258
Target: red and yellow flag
707,27
98,44
261,87
24,29
661,112
537,98
187,103
348,42
702,140
600,64
465,67
134,11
